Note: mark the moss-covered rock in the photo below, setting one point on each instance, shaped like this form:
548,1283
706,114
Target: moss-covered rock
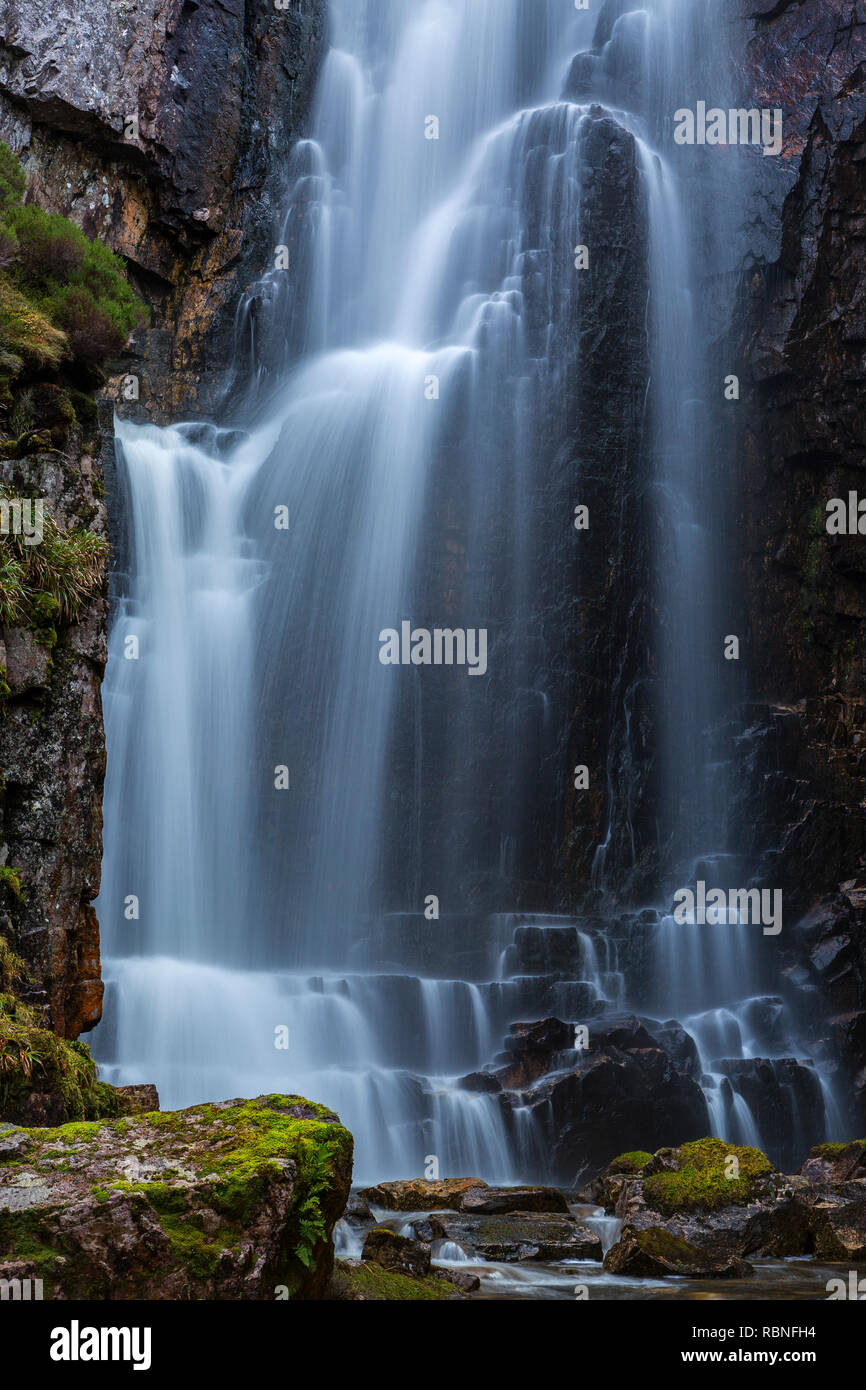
705,1175
232,1200
630,1163
658,1252
840,1161
363,1282
44,1078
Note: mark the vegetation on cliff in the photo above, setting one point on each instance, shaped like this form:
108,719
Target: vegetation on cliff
64,300
39,1071
51,581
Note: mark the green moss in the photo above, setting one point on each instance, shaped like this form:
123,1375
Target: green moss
630,1162
10,882
248,1146
849,1149
33,1059
12,969
372,1282
700,1182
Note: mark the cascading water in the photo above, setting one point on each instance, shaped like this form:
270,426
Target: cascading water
404,390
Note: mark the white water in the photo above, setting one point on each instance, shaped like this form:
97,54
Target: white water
413,260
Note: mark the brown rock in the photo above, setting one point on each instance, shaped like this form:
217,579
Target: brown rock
400,1254
421,1194
657,1252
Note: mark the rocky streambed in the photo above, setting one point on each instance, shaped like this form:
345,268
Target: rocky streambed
704,1220
251,1200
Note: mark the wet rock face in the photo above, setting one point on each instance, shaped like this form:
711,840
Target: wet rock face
655,1251
624,1092
798,806
52,757
219,1201
154,127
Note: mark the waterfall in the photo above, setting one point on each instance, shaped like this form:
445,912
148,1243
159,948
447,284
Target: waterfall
282,808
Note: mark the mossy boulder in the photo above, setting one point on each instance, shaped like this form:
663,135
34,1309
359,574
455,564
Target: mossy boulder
361,1282
392,1251
630,1163
658,1252
231,1200
840,1161
705,1175
44,1079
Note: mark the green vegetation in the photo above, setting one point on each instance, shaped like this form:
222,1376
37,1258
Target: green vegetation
373,1283
701,1181
630,1162
33,1059
64,300
12,971
230,1164
52,581
849,1149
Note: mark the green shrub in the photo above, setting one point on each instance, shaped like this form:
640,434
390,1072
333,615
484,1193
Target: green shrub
63,298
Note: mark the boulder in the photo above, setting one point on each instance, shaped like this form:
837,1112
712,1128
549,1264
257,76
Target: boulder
522,1236
399,1254
358,1211
656,1252
137,1100
492,1201
234,1200
836,1162
421,1194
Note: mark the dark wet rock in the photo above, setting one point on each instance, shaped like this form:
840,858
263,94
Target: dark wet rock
615,1101
481,1081
468,1283
785,1099
522,1236
397,1253
533,1047
655,1251
358,1211
678,1044
491,1201
428,1230
836,1162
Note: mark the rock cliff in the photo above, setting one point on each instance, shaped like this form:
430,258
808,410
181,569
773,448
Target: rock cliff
153,126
